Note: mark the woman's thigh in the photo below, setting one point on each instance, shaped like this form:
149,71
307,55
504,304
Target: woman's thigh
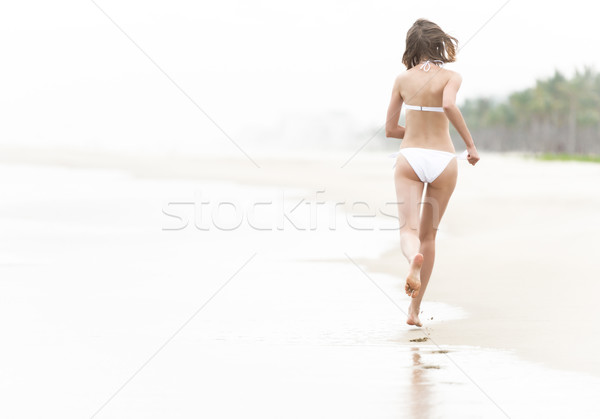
436,200
409,191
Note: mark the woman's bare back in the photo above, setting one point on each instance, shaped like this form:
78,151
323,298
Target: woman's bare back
425,129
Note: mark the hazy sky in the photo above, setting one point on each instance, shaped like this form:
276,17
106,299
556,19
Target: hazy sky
69,76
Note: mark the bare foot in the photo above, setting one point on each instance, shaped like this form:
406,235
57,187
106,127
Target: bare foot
413,317
413,281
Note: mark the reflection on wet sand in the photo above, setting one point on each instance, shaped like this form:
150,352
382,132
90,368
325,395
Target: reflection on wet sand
420,387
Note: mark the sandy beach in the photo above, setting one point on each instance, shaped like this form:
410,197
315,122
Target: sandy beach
515,282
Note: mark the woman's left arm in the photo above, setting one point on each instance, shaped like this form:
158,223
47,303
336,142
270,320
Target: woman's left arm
392,129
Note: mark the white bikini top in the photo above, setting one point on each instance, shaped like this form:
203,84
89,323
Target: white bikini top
427,64
425,67
424,108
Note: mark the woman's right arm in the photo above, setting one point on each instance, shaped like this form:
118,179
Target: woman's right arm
392,129
456,118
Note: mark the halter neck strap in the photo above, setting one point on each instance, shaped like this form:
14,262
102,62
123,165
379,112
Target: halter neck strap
427,64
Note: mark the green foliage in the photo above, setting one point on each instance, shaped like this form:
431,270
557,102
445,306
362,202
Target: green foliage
558,114
551,99
569,157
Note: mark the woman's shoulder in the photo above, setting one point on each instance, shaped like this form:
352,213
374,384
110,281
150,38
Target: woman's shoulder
407,77
399,80
402,78
451,74
407,73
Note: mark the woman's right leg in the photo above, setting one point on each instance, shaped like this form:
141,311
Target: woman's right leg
409,192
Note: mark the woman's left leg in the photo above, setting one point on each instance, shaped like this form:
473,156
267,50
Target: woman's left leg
437,196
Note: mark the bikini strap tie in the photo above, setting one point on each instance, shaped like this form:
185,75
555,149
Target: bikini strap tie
427,64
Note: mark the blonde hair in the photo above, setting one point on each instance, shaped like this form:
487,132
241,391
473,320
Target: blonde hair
426,40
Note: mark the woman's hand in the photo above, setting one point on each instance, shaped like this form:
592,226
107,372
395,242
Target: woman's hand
473,155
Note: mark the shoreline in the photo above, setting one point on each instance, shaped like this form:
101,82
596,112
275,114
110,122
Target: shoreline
515,232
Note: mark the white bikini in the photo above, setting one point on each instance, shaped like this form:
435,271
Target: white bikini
427,163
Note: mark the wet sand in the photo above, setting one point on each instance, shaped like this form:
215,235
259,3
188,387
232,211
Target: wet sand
99,287
517,247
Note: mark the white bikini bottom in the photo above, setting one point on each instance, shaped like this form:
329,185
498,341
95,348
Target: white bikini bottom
428,163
